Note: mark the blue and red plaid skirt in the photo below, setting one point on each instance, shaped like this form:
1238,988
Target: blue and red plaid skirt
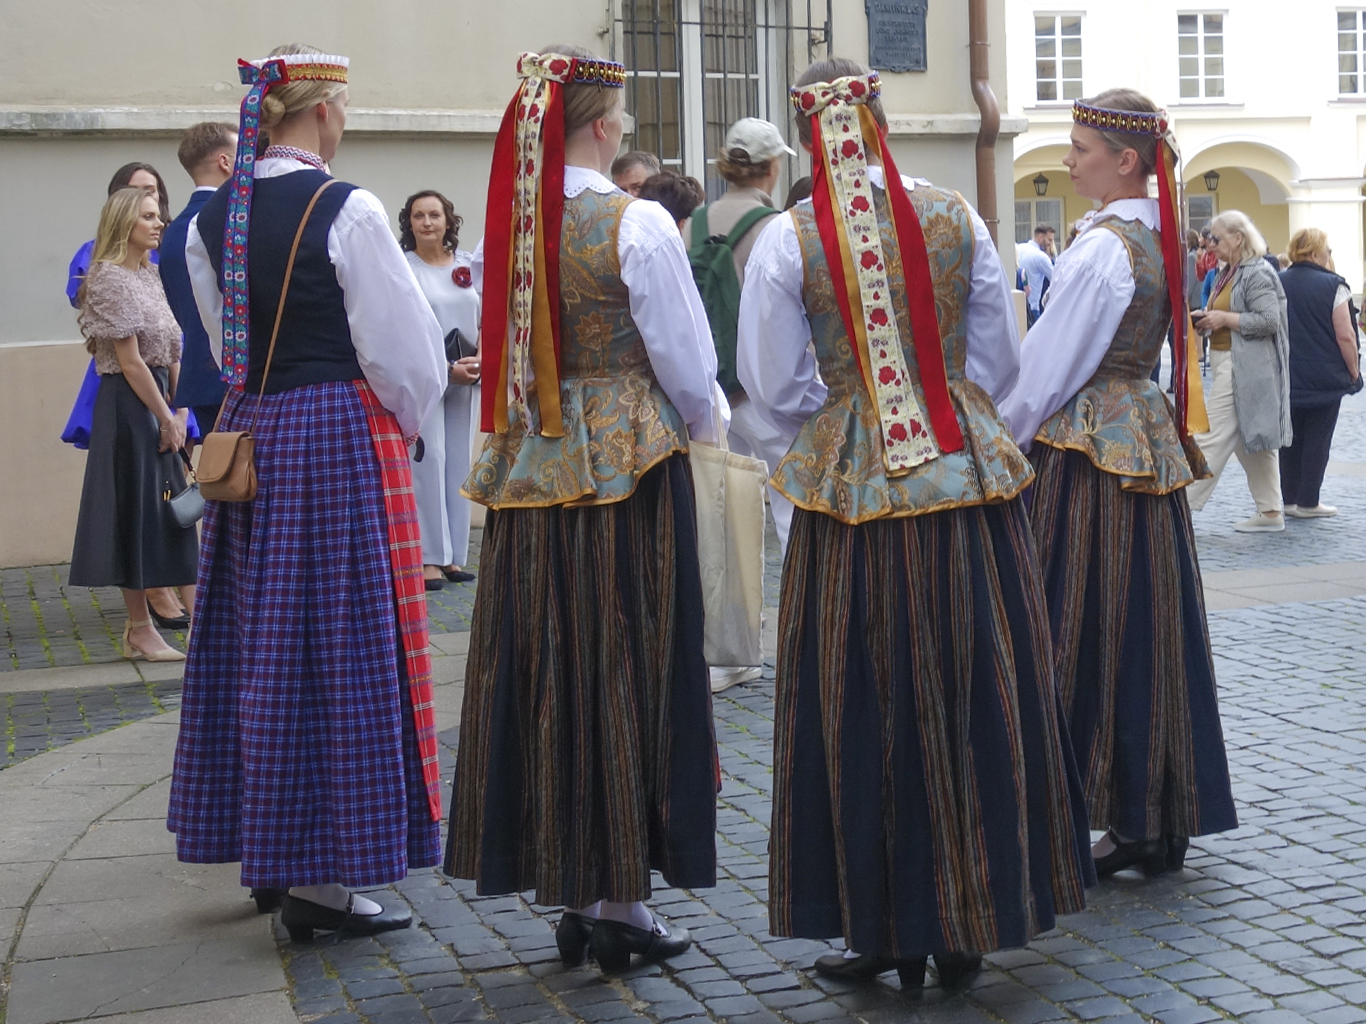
298,752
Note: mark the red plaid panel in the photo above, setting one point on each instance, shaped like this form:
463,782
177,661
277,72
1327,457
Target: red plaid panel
405,555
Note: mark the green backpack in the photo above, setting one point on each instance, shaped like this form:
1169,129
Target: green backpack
713,268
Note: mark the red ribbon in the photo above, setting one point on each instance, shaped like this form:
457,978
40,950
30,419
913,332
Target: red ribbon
915,267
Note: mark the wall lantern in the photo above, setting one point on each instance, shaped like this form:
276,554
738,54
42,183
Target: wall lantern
1212,181
1041,184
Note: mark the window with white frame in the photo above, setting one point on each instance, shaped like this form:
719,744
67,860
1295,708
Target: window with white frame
1057,57
1199,211
1030,213
1200,46
1351,52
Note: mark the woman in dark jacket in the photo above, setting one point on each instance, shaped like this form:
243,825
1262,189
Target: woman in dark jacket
1323,368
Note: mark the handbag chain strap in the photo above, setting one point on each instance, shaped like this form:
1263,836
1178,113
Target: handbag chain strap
280,308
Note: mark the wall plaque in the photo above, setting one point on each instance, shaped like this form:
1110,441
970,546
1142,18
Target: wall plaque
896,34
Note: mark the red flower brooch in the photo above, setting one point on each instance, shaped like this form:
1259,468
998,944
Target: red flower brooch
461,276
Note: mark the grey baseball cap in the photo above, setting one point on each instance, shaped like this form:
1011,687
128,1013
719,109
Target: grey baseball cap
757,137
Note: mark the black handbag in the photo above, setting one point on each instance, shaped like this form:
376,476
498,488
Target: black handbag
187,507
458,347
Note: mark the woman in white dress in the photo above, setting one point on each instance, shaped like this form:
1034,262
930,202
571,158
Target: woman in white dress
429,231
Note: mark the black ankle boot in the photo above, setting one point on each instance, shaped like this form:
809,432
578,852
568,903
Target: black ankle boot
572,936
1150,854
614,941
302,918
956,969
867,966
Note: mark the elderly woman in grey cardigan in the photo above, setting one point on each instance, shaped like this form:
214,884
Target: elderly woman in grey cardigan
1249,397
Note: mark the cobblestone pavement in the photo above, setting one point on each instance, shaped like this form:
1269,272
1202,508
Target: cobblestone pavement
1265,925
31,723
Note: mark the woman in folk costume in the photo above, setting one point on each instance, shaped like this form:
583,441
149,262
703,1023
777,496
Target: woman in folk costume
1109,512
587,756
924,799
307,741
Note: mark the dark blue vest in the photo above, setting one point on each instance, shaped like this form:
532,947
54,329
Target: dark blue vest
200,380
1318,375
314,344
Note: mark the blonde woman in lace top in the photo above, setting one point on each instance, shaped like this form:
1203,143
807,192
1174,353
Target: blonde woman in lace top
125,535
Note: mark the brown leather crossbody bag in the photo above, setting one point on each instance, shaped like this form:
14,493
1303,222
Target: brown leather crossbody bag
227,458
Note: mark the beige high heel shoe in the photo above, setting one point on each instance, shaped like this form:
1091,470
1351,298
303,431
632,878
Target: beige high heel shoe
132,651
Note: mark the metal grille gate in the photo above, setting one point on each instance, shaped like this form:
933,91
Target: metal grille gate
697,66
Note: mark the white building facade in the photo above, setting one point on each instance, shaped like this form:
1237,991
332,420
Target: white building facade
1268,101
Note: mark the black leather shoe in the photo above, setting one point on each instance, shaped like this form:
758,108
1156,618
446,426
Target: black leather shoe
1176,851
1150,854
614,942
457,575
268,900
432,585
572,935
956,969
867,966
302,918
181,621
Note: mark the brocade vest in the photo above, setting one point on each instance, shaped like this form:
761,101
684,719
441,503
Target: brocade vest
1120,419
835,465
617,420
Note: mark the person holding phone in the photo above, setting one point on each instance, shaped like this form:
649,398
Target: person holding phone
429,233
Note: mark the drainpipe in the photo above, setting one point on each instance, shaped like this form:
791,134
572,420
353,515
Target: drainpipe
990,130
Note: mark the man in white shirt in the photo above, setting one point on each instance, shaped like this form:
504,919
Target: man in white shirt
1037,265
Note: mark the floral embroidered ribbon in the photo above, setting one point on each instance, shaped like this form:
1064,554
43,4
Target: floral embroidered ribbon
846,133
522,234
262,76
1191,415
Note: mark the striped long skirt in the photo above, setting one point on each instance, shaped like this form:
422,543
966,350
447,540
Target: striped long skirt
924,794
587,754
297,752
1134,664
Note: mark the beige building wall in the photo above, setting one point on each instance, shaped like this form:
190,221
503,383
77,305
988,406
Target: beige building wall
87,87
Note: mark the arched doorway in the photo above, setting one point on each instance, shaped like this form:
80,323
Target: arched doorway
1247,176
1044,193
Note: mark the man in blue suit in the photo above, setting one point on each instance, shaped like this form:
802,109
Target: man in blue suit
206,153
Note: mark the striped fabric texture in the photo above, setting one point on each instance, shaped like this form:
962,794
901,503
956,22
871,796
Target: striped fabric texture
1135,670
297,753
925,799
410,594
587,752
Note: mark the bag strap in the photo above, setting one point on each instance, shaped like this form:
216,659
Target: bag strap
284,291
699,225
746,222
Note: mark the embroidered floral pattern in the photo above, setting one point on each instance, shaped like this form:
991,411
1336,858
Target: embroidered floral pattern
617,420
835,465
1120,419
908,443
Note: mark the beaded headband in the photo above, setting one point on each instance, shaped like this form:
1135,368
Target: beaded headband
1137,122
262,75
576,70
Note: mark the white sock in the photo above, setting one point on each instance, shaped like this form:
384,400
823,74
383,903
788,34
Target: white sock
593,911
636,914
336,897
849,954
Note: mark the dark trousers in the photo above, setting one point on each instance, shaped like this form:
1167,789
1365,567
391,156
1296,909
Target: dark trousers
206,416
1304,462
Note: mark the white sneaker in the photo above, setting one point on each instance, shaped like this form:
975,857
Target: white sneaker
1319,511
725,678
1261,523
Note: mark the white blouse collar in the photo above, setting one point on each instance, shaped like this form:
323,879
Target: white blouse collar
1143,210
576,179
